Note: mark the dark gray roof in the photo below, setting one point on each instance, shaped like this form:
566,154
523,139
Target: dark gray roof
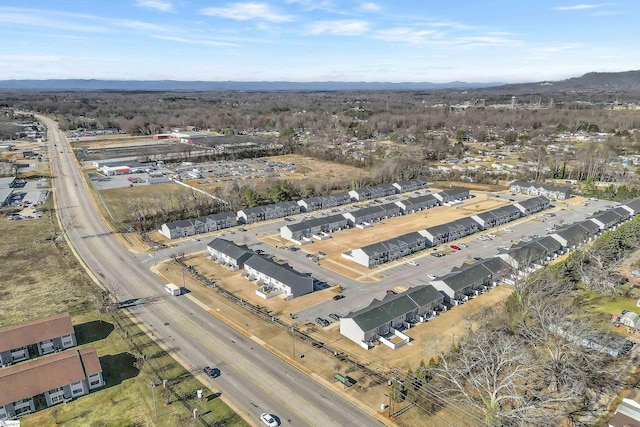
412,183
467,222
455,192
624,214
287,205
238,253
365,212
533,202
390,307
223,215
317,222
282,273
578,231
461,277
608,217
375,248
181,223
633,204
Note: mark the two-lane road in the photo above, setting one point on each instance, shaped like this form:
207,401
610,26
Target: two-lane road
253,379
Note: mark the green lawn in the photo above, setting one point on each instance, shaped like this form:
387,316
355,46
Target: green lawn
127,399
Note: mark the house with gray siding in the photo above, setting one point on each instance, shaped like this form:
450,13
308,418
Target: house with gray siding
372,214
416,204
228,253
532,205
204,224
525,254
535,189
455,193
409,185
47,381
36,338
607,219
279,278
314,226
448,232
497,217
633,206
393,312
464,280
389,250
574,235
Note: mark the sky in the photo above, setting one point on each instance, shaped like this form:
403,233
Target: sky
317,40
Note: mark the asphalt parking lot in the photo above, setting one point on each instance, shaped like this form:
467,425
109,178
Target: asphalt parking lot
400,273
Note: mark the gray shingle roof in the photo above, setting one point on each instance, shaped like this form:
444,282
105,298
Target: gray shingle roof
317,222
238,253
282,273
461,277
390,307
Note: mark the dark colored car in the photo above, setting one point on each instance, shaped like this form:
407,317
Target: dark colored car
337,297
322,322
211,372
334,316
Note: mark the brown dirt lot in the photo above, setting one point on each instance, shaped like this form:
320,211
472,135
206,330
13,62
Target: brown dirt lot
319,171
356,238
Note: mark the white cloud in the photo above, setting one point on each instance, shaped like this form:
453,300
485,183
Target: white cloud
339,28
47,19
369,7
405,35
205,42
140,26
578,7
246,12
308,5
160,6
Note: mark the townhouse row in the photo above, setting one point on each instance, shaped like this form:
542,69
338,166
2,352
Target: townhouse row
385,320
410,243
210,223
39,368
318,228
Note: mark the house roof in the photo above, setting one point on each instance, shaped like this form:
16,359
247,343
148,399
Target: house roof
633,204
316,222
282,273
608,217
390,307
23,334
230,249
466,275
36,376
533,202
411,183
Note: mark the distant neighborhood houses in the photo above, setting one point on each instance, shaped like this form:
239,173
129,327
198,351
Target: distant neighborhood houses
533,189
29,382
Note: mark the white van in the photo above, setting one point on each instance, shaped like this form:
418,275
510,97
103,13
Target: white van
173,289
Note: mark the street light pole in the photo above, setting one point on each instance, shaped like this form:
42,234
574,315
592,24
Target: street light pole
152,386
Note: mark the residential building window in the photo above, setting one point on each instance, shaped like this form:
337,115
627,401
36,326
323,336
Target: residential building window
77,388
3,413
67,341
47,347
22,410
19,355
19,404
57,398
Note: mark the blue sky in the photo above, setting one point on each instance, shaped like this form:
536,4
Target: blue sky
317,40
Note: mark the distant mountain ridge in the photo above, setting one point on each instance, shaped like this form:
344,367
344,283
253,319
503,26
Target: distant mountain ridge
627,82
168,85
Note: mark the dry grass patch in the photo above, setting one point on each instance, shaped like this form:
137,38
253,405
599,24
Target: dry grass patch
40,276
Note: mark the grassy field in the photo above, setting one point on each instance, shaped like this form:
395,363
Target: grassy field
40,278
127,400
116,199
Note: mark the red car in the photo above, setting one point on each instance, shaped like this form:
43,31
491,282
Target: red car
454,247
390,292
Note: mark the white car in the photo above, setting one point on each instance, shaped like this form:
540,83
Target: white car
432,276
269,420
413,263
